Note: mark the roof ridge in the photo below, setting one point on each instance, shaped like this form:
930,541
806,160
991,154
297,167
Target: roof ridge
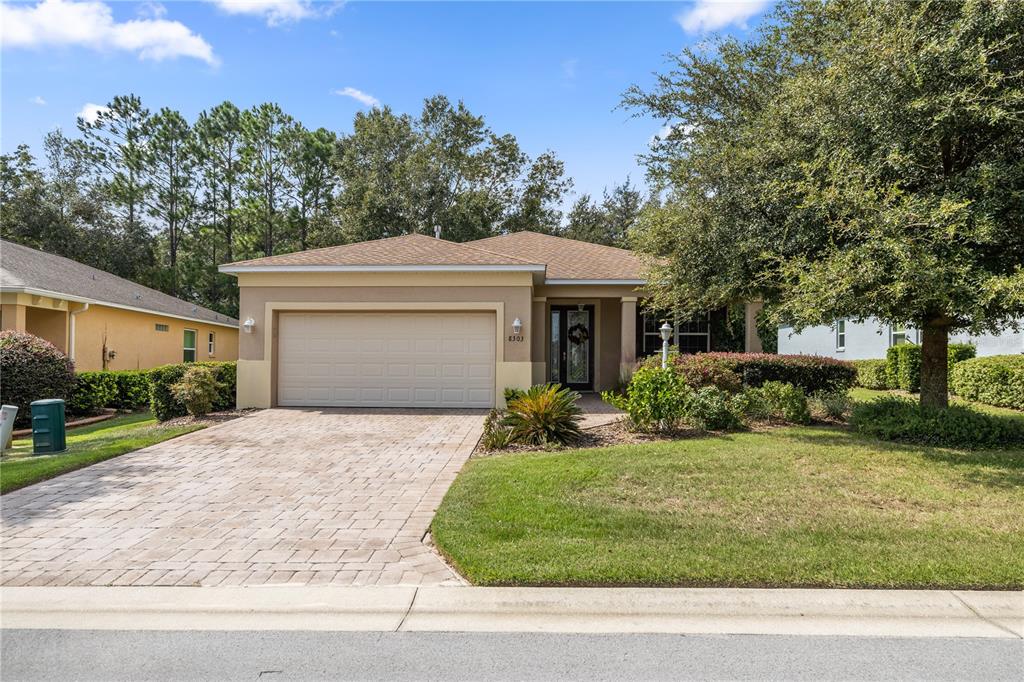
335,246
550,236
493,253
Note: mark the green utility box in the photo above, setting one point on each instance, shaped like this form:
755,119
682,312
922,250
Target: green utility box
48,433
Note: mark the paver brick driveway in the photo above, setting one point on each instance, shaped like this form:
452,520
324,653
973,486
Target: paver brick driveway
279,496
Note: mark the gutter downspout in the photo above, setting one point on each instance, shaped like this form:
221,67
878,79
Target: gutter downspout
71,329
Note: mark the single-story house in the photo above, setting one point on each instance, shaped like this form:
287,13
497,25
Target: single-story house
850,340
416,321
103,321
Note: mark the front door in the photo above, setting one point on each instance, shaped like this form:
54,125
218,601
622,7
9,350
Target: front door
572,346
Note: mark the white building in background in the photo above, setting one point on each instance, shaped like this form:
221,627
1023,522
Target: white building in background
849,340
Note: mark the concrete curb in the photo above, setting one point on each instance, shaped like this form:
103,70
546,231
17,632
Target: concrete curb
906,613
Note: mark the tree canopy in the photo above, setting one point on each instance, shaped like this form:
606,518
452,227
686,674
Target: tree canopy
854,159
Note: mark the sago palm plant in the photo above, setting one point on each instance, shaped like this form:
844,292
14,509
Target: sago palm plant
545,414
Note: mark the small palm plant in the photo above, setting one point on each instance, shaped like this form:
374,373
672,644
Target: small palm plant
543,415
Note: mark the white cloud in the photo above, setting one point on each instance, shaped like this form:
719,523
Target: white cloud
569,68
711,15
90,112
38,100
274,11
359,95
91,24
667,129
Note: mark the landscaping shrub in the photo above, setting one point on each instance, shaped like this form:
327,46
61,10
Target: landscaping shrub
543,415
706,369
162,401
197,390
872,374
497,434
994,380
512,394
903,364
709,408
812,373
93,391
655,399
902,419
786,402
32,369
834,405
132,389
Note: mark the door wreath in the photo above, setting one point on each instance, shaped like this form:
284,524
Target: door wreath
578,334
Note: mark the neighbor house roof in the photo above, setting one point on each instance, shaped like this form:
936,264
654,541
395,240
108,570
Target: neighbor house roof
569,260
410,251
562,260
25,270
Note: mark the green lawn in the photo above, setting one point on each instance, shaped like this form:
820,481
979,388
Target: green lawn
801,506
863,394
86,445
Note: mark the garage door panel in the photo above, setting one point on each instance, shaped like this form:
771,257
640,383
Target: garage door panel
355,359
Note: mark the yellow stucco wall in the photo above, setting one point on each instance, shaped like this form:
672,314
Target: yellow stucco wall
136,342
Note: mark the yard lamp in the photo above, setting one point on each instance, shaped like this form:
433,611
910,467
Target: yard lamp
666,333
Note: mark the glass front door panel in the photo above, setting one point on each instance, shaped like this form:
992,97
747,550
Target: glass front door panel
555,373
578,331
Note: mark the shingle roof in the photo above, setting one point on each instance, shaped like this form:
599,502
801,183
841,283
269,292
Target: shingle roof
568,258
406,250
25,268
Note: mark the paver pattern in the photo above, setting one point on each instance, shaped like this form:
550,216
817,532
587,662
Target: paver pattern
280,496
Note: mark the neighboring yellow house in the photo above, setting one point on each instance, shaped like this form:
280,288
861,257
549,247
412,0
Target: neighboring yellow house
103,321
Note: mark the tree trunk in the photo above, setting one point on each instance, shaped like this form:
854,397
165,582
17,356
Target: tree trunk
935,366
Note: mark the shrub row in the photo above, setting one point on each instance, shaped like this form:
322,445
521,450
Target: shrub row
902,419
903,364
121,390
994,380
872,374
165,405
662,400
731,371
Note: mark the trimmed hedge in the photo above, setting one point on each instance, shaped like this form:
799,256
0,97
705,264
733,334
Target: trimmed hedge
32,369
93,391
903,364
994,380
122,390
811,373
871,374
903,419
161,398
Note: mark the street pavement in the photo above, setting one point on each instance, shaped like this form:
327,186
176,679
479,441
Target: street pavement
111,655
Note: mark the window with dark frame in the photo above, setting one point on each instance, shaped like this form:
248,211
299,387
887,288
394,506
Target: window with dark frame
163,327
841,335
689,336
210,344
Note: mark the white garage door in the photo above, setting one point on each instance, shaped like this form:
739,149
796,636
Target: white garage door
386,359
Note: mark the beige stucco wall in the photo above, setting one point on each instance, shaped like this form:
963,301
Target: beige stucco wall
133,337
48,324
264,295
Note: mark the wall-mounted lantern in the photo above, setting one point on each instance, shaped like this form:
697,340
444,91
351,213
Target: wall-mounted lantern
248,325
517,326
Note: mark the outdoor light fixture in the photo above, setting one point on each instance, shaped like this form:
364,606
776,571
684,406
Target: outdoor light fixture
517,326
248,325
666,333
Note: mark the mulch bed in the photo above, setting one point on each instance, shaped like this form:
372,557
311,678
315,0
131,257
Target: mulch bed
209,419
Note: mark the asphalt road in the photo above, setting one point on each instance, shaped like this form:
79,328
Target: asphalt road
272,656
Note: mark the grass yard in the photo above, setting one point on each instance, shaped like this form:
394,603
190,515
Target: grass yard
86,445
801,506
864,394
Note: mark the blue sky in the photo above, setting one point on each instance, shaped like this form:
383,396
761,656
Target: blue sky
552,74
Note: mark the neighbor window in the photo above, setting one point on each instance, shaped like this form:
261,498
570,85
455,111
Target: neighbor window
189,354
898,335
210,343
841,335
162,328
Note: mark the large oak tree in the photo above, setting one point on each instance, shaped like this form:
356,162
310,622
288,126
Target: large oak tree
854,159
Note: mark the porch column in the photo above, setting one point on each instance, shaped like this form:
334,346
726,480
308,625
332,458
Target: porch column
539,340
627,342
12,316
751,340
